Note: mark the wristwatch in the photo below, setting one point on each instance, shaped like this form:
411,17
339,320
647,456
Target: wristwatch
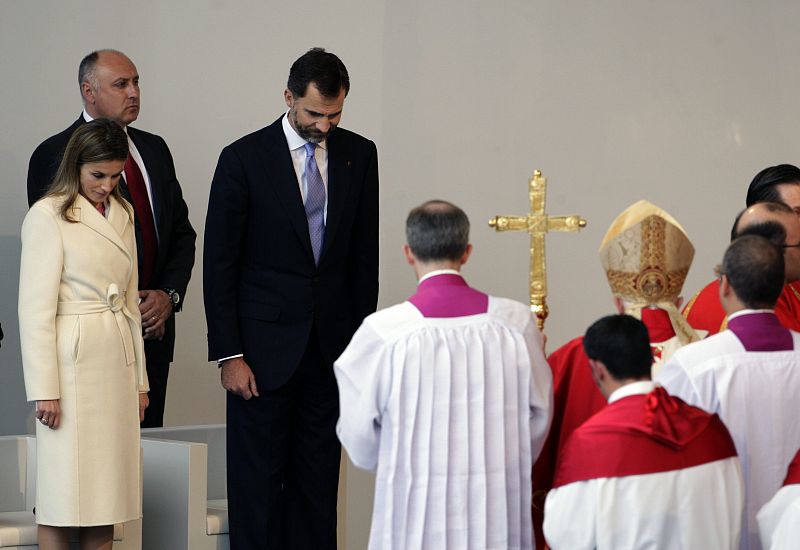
174,297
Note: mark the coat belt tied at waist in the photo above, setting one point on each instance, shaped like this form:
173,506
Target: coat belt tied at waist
126,322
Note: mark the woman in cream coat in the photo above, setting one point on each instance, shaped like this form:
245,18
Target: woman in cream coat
82,350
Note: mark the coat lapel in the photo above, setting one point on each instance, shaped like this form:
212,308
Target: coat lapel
111,228
278,167
338,188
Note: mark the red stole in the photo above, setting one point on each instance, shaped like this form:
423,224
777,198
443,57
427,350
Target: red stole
793,475
643,434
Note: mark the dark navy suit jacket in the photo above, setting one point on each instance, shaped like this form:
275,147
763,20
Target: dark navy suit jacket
263,292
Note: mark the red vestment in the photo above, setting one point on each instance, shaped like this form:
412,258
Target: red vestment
704,311
793,475
643,434
575,400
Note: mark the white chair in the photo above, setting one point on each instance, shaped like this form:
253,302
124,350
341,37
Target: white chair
185,503
18,493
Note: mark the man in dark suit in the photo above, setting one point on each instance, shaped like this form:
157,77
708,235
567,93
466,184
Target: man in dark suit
290,270
109,84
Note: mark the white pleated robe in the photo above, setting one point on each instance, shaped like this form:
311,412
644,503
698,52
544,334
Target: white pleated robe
755,393
451,413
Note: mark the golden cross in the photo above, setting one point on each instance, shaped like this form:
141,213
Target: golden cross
537,223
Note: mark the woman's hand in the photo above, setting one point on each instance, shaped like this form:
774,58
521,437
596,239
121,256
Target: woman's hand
48,412
144,402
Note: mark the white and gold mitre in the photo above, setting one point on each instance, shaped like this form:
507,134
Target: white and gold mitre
646,255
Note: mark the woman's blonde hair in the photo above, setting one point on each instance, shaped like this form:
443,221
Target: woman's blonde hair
97,141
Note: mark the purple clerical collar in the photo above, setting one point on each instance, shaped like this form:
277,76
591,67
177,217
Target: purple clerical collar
760,330
448,295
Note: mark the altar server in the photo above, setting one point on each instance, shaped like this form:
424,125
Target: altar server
749,374
447,397
647,471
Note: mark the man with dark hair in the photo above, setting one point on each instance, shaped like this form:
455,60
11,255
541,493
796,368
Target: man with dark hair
704,311
109,86
779,183
447,397
648,470
749,374
290,271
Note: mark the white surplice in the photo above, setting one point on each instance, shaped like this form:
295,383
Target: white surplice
688,508
451,413
755,393
779,520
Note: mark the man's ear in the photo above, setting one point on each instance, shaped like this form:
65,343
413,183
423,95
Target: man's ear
465,256
725,288
410,258
288,97
619,305
87,92
599,370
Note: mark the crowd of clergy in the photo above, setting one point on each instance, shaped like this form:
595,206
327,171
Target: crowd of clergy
659,428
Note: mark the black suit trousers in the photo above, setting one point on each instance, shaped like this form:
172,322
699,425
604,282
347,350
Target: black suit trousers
283,461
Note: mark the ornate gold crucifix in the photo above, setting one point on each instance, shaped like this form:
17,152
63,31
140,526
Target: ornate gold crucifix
537,223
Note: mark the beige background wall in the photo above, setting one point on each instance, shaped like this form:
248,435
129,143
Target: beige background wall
678,102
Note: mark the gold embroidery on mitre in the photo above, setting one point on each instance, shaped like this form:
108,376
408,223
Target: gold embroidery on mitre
646,255
651,286
653,281
653,243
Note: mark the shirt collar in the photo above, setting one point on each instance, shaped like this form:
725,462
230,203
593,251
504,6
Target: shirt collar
742,312
438,272
293,138
634,388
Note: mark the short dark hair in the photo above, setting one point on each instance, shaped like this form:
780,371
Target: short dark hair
771,206
437,230
764,187
622,344
754,267
773,231
322,68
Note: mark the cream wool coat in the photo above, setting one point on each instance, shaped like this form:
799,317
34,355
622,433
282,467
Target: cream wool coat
81,337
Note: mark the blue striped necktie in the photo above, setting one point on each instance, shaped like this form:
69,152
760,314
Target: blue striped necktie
315,202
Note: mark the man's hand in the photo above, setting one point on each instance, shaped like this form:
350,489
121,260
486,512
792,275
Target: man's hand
158,333
144,402
238,379
48,412
155,307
